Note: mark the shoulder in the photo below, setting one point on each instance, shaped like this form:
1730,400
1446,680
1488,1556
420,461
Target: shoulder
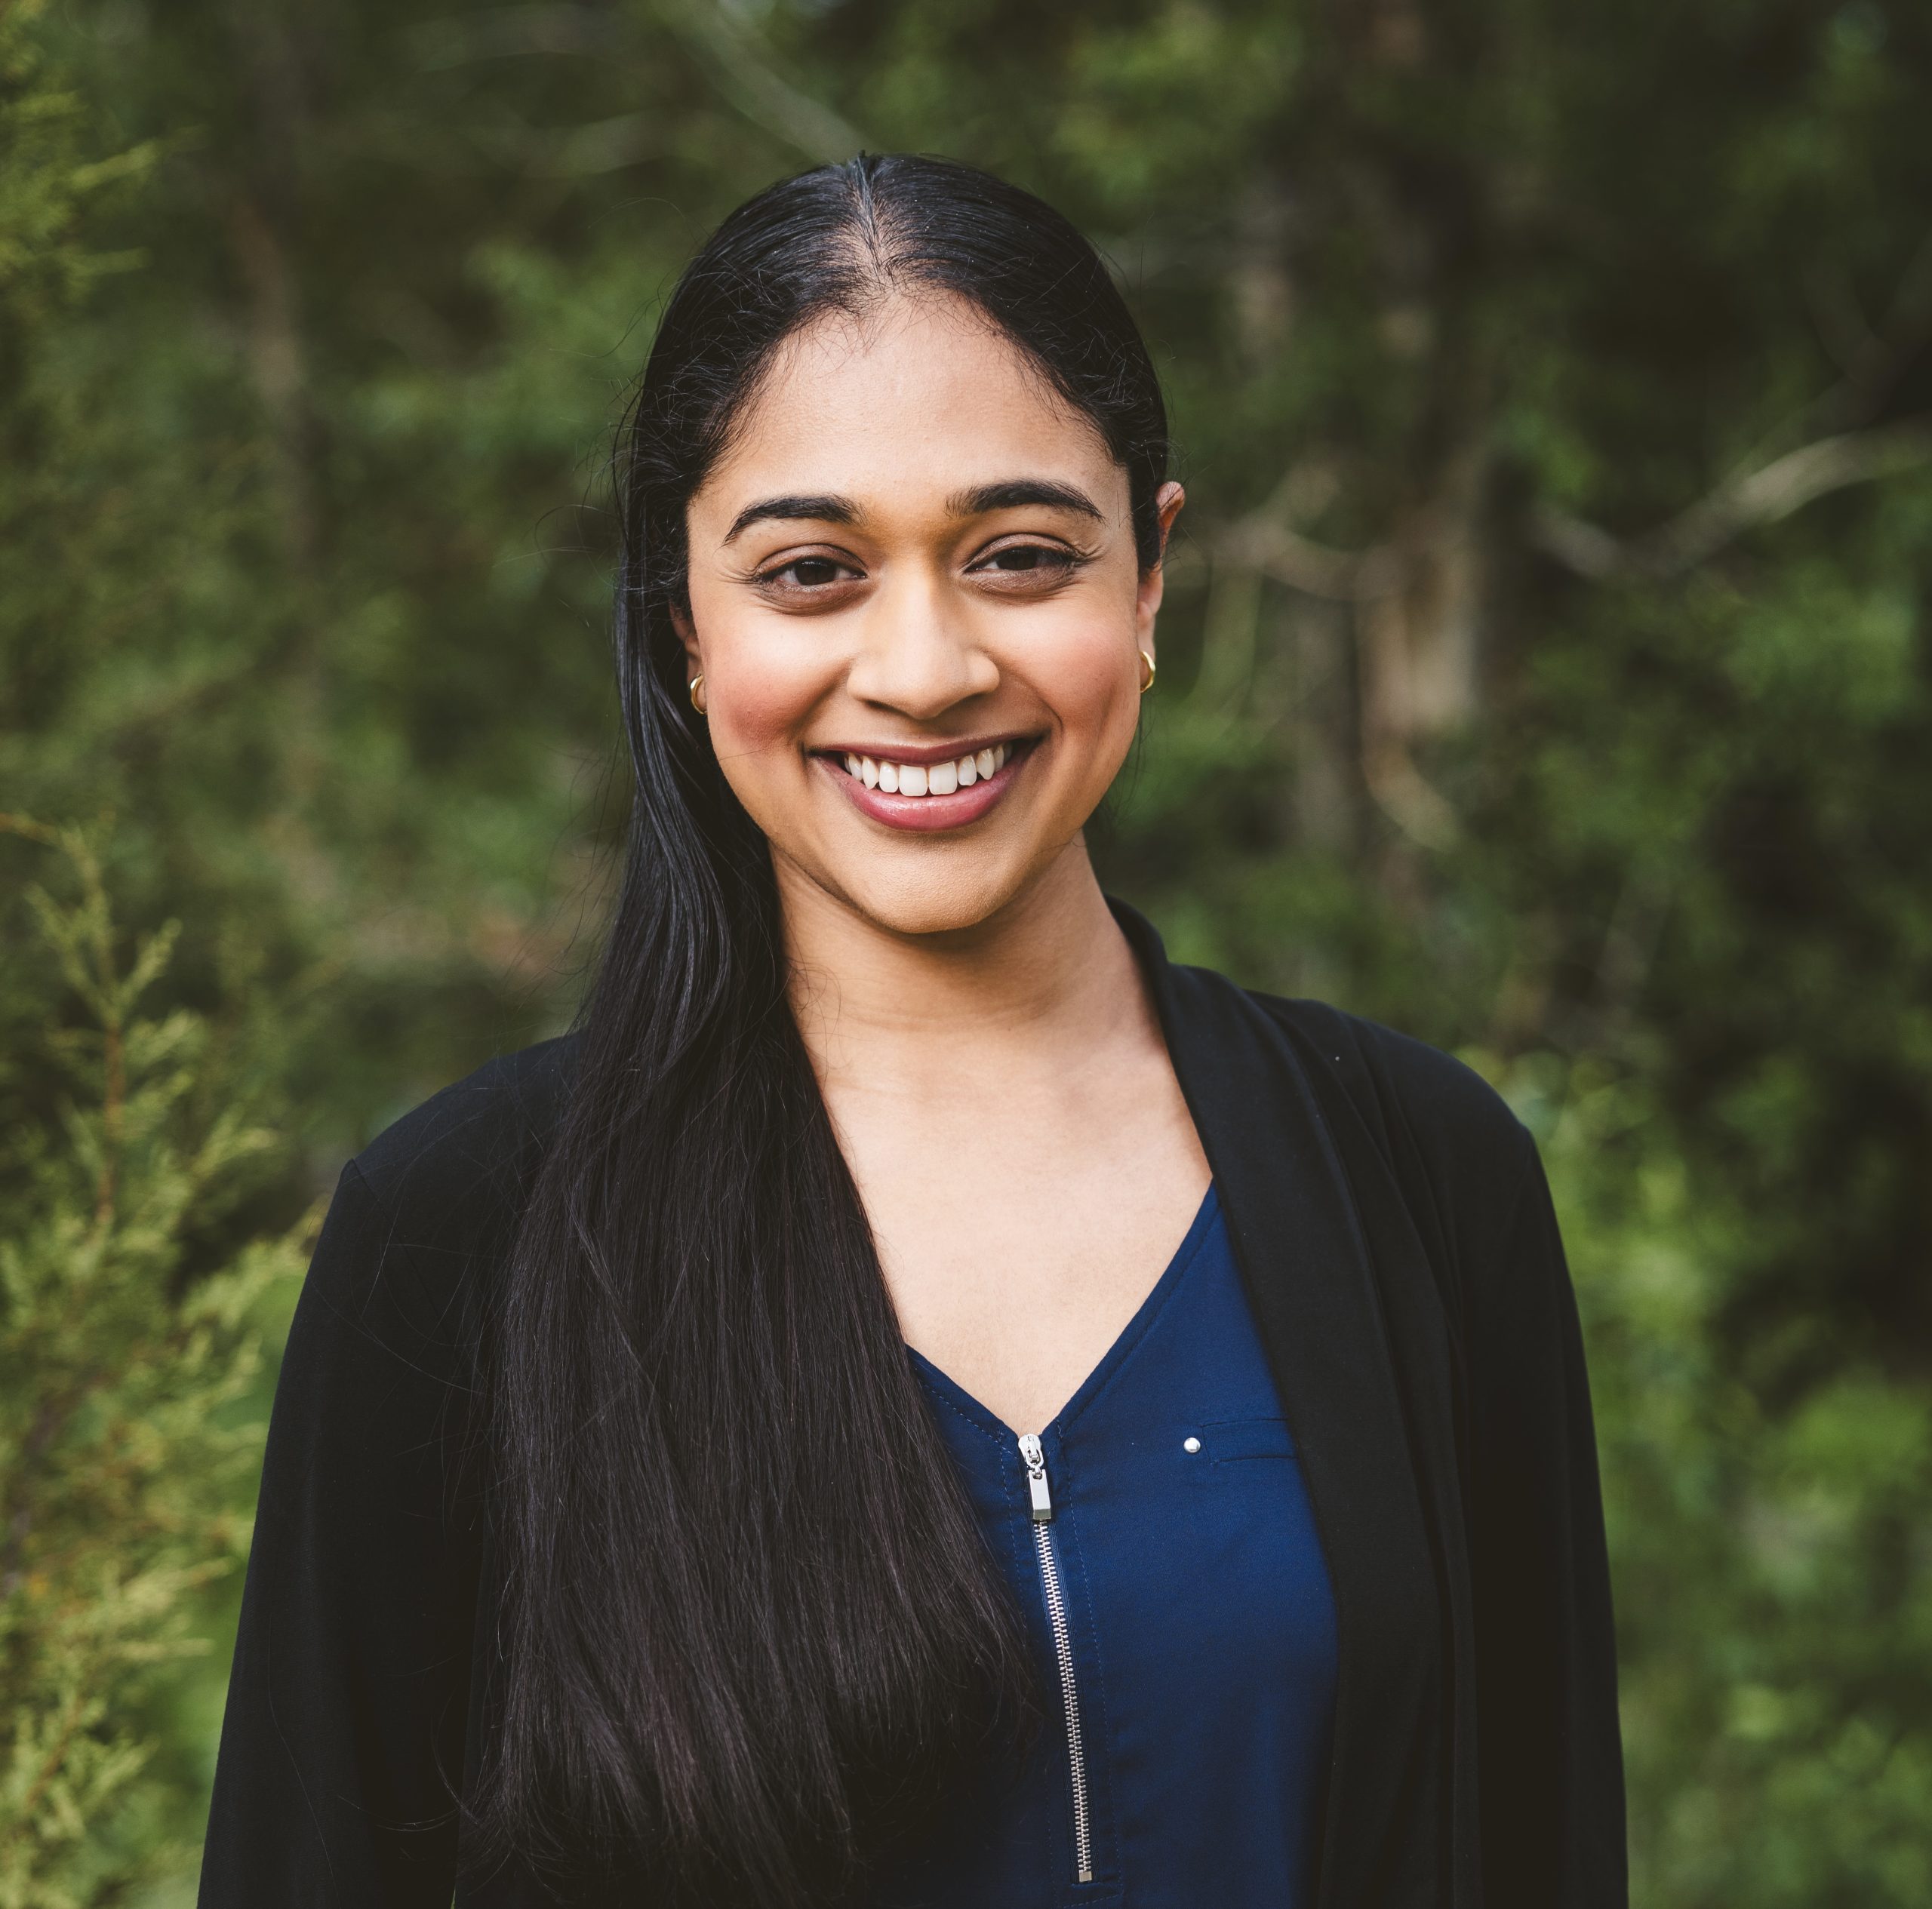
1407,1088
1406,1094
424,1218
1421,1135
463,1161
1398,1109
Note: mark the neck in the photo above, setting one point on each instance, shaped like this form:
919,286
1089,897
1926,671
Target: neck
1048,976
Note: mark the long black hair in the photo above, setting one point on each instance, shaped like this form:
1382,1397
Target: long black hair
751,1637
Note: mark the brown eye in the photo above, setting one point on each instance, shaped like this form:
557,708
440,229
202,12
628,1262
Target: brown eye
808,573
1031,563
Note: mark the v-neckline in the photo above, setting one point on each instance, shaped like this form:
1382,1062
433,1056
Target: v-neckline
1129,1336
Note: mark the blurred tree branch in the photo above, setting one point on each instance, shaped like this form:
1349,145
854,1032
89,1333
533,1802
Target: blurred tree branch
1748,501
739,65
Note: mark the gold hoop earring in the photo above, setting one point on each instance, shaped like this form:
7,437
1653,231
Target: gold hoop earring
1148,683
696,689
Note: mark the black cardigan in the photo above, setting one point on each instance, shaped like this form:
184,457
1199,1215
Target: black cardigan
1412,1297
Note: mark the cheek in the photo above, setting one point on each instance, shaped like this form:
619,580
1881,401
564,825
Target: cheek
762,682
1080,669
758,711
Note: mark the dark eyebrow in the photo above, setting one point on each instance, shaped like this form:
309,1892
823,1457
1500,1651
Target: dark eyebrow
1023,490
817,510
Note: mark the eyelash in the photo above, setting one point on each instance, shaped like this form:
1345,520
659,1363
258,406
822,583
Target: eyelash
773,575
1057,557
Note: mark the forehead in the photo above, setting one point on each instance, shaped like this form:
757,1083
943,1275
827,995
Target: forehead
919,397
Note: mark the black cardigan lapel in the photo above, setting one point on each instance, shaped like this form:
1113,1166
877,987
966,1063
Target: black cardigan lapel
1305,1257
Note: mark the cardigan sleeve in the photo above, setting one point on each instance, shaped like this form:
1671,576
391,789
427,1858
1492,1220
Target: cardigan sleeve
1551,1780
342,1740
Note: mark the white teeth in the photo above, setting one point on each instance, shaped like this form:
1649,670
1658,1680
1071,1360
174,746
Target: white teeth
941,778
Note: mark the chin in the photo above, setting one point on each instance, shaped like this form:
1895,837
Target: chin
938,901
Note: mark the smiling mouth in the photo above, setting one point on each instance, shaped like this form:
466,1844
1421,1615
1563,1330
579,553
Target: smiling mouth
935,793
919,779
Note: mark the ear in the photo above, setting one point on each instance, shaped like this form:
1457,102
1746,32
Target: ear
1167,501
681,622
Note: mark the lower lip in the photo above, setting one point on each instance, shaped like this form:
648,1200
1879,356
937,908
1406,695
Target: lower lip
927,814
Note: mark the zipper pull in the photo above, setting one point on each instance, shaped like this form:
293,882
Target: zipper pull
1036,1477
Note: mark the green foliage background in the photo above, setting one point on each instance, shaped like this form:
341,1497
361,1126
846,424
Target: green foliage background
1546,671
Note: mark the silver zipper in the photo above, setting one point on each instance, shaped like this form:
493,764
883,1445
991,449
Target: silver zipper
1036,1460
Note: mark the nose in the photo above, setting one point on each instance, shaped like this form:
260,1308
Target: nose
918,656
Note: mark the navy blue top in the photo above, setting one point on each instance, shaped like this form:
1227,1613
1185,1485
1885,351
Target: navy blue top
1161,1547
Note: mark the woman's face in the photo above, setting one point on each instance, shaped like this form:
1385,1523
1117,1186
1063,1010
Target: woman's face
916,604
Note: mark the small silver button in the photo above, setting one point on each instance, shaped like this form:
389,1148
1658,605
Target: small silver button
1190,1445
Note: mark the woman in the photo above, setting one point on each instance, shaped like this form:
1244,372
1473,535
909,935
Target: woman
918,1400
